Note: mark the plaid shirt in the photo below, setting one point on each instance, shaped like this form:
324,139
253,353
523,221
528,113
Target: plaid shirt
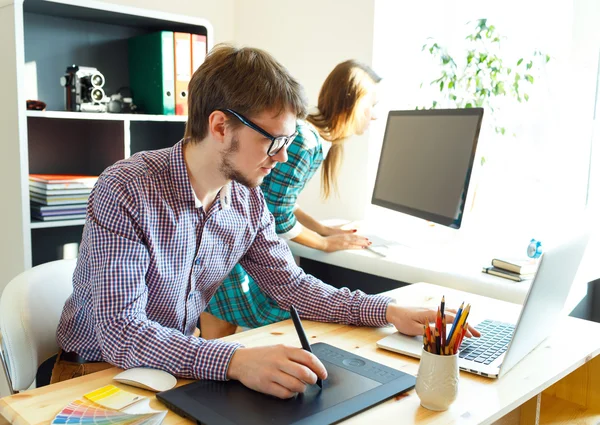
285,182
151,259
240,300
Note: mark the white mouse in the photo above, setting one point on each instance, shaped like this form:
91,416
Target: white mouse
147,378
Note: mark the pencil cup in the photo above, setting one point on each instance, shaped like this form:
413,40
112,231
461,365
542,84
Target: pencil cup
437,380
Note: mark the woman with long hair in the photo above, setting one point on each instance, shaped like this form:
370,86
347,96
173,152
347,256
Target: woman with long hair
345,108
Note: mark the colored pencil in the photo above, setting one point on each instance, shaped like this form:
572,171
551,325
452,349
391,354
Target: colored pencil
456,318
444,331
438,331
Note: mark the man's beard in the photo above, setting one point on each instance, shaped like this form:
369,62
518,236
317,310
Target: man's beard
230,172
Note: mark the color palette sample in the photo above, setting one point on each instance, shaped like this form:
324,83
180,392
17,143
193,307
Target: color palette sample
98,412
113,397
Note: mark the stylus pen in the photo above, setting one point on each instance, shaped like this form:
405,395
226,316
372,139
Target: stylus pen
302,336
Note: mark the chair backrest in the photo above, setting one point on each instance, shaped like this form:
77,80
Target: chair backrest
30,309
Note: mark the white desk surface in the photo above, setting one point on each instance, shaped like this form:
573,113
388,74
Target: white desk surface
454,260
415,265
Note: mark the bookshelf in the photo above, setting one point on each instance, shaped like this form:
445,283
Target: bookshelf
55,34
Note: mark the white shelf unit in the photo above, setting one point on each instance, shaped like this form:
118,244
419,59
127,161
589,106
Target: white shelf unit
55,34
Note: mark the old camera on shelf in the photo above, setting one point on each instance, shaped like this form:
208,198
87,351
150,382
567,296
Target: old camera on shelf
83,89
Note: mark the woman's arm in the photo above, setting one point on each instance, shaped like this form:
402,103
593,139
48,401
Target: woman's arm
309,222
309,236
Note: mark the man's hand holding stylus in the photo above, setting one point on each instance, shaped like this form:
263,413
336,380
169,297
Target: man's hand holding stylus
278,370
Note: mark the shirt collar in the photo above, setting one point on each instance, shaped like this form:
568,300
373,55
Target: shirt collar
224,197
181,180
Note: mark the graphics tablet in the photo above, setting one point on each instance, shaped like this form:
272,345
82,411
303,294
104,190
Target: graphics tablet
353,384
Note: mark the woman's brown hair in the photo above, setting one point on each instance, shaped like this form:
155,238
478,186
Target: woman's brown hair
336,118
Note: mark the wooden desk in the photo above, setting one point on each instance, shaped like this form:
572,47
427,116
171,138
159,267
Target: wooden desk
566,368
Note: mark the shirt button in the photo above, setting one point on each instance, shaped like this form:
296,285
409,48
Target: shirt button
197,262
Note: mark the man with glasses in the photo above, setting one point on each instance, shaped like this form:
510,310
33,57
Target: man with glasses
163,228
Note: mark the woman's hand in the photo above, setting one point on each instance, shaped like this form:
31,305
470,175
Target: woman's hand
345,241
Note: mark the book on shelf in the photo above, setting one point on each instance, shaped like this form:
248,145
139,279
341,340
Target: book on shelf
46,209
495,271
58,217
61,181
59,200
74,209
53,192
516,265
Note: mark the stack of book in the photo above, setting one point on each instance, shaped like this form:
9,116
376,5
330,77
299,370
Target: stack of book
517,269
59,197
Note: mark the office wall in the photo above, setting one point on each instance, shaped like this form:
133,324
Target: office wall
310,37
218,12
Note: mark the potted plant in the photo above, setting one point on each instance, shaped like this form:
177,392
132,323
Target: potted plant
483,76
486,76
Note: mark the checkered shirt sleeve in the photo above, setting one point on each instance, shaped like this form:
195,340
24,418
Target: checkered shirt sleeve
270,263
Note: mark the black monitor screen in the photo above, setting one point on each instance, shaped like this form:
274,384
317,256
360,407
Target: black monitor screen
426,162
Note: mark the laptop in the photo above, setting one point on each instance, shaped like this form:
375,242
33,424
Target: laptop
502,345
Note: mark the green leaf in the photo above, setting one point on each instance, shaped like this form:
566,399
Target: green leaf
434,104
482,161
441,86
529,78
526,96
519,61
469,105
547,58
529,65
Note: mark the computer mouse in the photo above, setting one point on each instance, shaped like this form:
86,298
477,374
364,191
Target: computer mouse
147,378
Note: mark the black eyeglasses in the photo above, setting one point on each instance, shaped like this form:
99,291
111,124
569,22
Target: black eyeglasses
277,143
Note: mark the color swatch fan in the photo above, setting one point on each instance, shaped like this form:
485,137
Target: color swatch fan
135,409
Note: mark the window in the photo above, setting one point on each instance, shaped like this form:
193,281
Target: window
539,177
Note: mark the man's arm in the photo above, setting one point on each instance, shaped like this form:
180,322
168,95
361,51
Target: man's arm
117,261
270,262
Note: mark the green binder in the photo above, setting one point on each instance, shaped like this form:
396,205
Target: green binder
152,72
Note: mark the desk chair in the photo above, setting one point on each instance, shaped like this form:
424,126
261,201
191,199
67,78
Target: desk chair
30,309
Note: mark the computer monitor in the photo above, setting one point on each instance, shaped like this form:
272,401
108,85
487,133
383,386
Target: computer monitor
426,162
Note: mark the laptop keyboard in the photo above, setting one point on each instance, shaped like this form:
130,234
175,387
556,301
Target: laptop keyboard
494,340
